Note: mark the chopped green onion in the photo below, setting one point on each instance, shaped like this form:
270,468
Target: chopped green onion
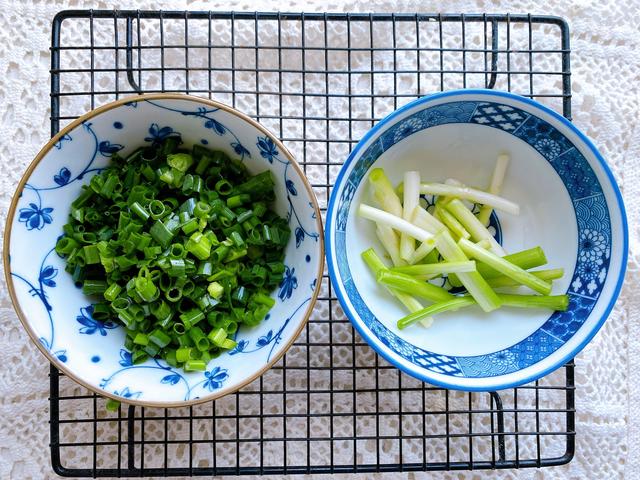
217,337
160,338
139,211
144,235
141,339
161,234
112,292
183,354
195,366
91,254
156,209
146,289
94,287
192,317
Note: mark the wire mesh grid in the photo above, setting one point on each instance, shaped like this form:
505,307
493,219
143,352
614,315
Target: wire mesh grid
319,82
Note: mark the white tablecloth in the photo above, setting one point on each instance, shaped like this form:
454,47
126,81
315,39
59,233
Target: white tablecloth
605,62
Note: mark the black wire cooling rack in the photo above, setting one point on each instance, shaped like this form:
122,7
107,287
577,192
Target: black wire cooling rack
319,81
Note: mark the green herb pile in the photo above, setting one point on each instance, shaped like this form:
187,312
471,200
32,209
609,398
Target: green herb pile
180,246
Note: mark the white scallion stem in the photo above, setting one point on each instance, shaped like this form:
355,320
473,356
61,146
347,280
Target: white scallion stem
469,221
422,251
454,225
384,193
477,286
471,194
423,219
411,197
495,187
390,242
393,221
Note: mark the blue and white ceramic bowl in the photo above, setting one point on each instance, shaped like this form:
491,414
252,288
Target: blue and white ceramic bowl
56,313
570,205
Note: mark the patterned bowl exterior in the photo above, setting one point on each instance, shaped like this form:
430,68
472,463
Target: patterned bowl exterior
59,317
596,202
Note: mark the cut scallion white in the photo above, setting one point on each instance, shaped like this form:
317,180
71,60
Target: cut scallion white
390,242
452,224
469,221
423,219
453,243
472,281
471,194
385,218
384,193
495,187
411,196
421,252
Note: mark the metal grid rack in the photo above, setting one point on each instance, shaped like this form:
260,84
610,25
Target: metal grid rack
319,81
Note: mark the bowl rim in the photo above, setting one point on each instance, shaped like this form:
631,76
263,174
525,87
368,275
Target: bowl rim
385,352
93,113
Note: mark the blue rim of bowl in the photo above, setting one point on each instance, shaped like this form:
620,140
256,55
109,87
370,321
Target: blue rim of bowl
329,230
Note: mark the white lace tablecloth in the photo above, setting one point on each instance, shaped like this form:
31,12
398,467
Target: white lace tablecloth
605,39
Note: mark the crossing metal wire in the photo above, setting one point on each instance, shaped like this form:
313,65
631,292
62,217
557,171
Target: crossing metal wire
319,81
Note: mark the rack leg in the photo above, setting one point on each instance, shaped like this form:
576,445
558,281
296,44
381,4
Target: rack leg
500,421
494,54
131,432
129,56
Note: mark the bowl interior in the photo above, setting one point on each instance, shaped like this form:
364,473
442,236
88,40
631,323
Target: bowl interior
546,219
57,314
569,206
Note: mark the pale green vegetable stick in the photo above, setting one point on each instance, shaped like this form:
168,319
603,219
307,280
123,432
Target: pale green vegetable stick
384,193
505,267
495,186
411,199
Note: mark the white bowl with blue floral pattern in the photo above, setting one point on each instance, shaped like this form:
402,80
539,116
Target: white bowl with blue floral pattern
56,313
570,205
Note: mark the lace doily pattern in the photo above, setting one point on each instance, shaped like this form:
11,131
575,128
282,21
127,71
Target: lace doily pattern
605,65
